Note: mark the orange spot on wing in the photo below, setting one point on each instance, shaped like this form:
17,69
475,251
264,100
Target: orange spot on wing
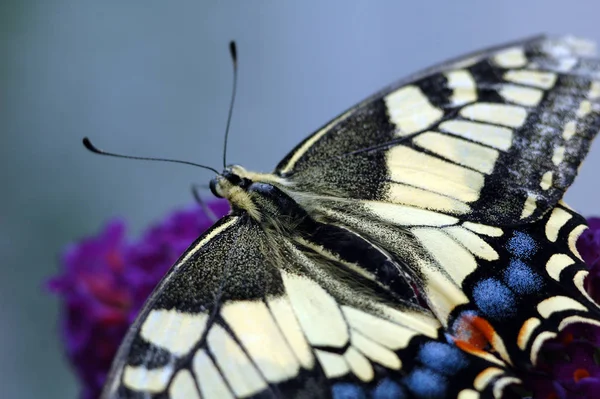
473,331
469,348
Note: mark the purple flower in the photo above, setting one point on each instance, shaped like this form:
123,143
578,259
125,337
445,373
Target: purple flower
569,363
106,280
589,248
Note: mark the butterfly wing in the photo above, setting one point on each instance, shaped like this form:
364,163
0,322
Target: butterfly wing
453,169
494,137
241,315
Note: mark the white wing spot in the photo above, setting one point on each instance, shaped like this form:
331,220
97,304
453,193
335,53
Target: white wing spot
485,377
576,319
399,193
376,352
558,218
212,385
529,206
526,96
484,229
572,240
359,365
463,87
546,181
183,386
511,58
288,323
584,108
556,264
417,169
502,383
255,328
175,331
559,155
494,136
317,311
556,304
454,259
410,110
594,90
234,364
402,215
141,379
472,155
537,344
569,130
468,394
500,114
478,246
334,365
382,331
526,330
543,80
579,281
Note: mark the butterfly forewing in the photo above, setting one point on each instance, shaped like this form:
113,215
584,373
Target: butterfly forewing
496,139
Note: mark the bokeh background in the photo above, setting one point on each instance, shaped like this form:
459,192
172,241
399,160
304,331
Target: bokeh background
154,78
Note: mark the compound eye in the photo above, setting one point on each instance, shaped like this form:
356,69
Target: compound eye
213,188
234,179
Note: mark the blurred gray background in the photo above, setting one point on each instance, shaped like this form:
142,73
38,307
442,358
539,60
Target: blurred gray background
154,78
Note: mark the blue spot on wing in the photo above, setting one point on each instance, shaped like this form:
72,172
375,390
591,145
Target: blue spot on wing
443,358
521,279
346,390
425,383
521,245
494,298
388,389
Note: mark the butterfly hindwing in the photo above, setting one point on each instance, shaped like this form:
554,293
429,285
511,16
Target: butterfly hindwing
531,291
234,320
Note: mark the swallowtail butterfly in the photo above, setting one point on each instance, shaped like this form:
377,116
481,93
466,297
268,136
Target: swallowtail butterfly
414,247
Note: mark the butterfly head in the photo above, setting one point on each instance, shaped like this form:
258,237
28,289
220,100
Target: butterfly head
258,194
232,184
232,179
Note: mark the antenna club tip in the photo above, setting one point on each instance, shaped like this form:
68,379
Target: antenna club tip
90,147
233,50
88,144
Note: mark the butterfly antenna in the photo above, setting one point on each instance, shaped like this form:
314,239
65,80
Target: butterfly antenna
205,208
88,144
233,52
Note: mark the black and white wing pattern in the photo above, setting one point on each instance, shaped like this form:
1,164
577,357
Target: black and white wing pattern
245,315
444,170
494,137
417,246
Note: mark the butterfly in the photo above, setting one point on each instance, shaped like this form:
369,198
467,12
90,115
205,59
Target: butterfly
416,246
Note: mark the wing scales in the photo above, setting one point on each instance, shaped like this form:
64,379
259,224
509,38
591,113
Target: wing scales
302,334
449,181
490,121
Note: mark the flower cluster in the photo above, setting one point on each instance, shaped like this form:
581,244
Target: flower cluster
106,280
568,366
589,248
